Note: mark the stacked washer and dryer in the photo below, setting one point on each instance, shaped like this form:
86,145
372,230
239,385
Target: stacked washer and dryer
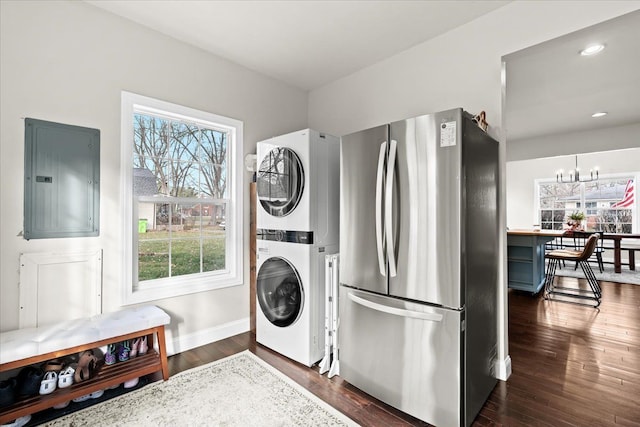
297,225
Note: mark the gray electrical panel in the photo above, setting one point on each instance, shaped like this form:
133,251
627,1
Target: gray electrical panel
61,180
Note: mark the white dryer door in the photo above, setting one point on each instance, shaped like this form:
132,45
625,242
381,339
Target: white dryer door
280,293
280,181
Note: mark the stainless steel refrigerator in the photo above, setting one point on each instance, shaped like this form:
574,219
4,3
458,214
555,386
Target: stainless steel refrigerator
418,270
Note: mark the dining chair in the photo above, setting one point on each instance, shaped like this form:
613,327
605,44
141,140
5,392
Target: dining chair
580,239
581,258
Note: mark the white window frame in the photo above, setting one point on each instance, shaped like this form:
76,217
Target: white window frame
151,290
635,212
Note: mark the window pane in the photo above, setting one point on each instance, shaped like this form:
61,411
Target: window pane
217,222
214,253
204,214
185,254
214,181
214,146
153,257
184,141
184,178
546,203
183,216
162,215
152,137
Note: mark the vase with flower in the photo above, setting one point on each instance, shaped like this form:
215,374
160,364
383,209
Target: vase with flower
575,220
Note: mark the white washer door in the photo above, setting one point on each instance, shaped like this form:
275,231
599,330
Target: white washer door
280,293
280,181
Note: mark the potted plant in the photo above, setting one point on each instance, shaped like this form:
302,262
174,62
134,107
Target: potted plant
575,220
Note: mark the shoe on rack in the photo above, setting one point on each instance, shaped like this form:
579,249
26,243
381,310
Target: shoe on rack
86,366
142,346
62,405
29,379
18,422
124,348
7,392
131,383
135,344
110,355
82,398
94,395
65,377
49,382
54,365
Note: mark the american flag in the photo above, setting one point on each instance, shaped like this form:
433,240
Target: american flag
628,198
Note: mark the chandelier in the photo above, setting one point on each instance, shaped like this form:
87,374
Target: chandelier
574,175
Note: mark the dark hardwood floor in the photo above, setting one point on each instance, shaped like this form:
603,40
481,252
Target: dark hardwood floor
572,366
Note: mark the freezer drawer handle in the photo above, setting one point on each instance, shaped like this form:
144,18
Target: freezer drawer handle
394,310
379,242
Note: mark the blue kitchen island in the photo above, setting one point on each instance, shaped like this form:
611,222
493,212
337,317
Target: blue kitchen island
525,258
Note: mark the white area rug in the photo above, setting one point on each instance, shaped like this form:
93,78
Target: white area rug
240,390
626,276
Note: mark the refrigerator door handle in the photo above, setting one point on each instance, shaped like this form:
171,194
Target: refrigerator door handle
394,310
388,206
379,236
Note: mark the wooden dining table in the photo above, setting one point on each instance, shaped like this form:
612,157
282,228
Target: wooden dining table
617,248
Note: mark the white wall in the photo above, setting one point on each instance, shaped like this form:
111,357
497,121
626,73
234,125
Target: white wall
612,138
68,62
521,176
461,68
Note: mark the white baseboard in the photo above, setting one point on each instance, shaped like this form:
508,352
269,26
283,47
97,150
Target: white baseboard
196,339
503,368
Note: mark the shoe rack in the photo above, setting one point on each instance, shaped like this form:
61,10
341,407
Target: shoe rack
104,376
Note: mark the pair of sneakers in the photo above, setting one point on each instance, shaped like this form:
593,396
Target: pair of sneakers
123,351
117,352
57,374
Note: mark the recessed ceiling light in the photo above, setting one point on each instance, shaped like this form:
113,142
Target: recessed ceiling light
599,114
592,49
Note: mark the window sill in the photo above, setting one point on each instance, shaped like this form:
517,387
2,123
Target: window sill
153,290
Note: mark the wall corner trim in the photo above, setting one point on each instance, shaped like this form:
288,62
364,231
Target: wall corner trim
503,368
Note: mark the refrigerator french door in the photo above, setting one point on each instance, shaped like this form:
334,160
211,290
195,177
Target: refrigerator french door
419,234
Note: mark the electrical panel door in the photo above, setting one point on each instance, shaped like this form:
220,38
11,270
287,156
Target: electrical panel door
62,180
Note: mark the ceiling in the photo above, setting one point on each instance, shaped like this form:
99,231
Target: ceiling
304,43
552,89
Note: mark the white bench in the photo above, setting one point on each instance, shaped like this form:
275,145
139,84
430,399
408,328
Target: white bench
30,346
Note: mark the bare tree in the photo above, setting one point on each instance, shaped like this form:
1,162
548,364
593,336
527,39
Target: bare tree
186,159
151,147
214,166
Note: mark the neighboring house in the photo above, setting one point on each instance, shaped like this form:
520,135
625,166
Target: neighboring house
144,184
603,208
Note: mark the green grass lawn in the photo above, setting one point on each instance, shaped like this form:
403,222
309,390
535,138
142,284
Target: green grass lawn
153,253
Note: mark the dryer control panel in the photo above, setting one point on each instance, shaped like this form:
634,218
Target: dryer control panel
303,237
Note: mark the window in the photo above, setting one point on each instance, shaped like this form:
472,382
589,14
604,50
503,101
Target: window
609,204
182,199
